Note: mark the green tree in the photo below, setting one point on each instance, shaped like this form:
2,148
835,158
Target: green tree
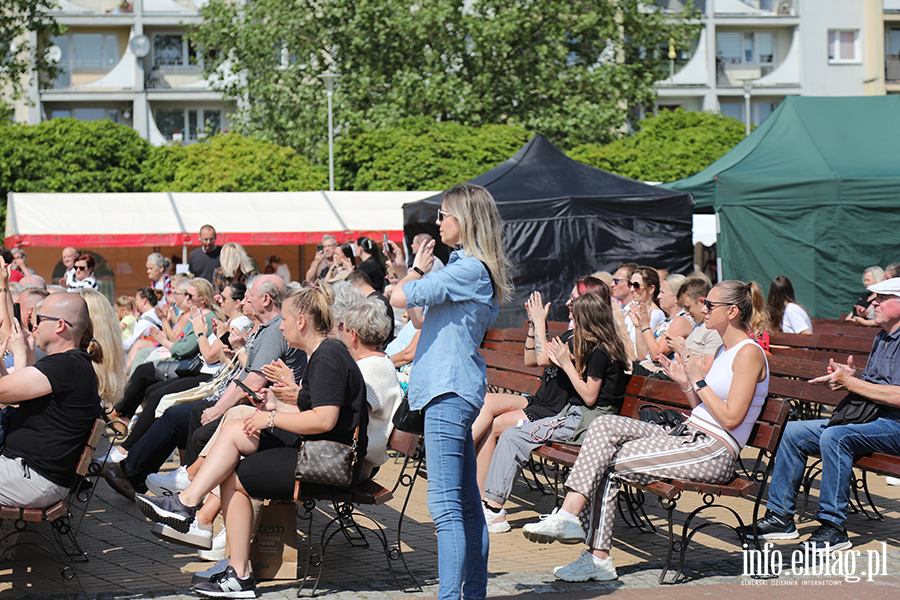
569,70
420,154
230,163
669,146
19,55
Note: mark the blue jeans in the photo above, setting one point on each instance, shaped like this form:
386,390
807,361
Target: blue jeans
454,500
838,446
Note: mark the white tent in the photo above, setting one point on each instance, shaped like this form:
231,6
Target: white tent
172,219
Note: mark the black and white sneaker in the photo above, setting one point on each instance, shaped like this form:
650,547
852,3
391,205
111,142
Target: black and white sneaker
227,585
167,510
827,536
772,527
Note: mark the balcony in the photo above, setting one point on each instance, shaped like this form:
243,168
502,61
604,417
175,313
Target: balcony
94,7
166,77
72,75
785,8
732,74
676,6
892,68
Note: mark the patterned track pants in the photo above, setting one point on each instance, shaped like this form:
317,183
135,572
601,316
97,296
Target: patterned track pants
621,450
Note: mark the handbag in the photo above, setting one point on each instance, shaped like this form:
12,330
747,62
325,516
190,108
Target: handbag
165,369
199,392
854,409
189,367
327,463
408,420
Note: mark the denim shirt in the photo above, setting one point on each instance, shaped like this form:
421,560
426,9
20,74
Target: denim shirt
461,308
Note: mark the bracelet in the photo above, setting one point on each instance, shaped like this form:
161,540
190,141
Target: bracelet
529,336
645,329
4,290
690,387
272,421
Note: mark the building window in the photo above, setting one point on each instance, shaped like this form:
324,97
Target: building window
842,46
83,56
172,50
746,48
758,111
192,123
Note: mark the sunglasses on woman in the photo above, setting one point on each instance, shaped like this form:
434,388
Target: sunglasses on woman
709,304
443,214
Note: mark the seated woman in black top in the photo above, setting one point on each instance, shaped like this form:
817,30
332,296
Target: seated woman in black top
331,404
502,411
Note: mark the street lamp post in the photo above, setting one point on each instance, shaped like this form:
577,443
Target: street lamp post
329,78
748,87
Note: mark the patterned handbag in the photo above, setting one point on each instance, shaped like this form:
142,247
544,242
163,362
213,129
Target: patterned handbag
327,463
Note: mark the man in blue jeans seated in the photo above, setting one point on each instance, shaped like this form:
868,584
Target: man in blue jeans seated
872,426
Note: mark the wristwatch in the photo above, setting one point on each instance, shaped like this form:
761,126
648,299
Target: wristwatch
700,385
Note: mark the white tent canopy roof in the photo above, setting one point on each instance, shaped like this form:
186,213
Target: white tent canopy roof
160,219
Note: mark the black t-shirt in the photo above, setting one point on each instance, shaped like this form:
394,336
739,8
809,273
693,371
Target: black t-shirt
333,379
557,390
202,264
390,313
375,271
49,433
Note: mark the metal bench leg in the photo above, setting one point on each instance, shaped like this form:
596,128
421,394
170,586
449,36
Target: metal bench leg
864,484
66,572
397,552
306,514
669,507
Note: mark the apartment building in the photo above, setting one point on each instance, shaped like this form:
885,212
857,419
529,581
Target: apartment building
778,48
129,61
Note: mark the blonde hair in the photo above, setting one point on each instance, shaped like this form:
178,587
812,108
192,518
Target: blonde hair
751,303
233,259
205,291
315,303
480,233
103,340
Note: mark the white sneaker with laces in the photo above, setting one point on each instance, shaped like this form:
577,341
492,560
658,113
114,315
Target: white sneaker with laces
168,484
217,552
493,525
197,536
554,528
587,567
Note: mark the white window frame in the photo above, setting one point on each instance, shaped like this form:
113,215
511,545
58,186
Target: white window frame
834,46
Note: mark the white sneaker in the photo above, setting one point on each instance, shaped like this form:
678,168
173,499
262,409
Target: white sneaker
217,552
554,528
587,567
197,536
493,525
113,455
892,480
168,484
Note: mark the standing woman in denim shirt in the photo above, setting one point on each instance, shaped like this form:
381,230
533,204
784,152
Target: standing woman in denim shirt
449,379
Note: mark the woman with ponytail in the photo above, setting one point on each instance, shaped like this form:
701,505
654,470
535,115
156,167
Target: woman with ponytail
617,450
366,250
330,405
449,380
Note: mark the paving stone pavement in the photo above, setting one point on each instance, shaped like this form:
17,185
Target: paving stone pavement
126,561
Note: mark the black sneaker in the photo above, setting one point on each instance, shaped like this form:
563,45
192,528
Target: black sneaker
772,527
167,510
227,585
829,536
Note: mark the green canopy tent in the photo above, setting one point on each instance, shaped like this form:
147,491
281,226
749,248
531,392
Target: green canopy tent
813,193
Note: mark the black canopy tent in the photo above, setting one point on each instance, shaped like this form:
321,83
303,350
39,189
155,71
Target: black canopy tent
564,219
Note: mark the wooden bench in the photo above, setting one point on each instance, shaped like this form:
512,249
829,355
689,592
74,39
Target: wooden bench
347,520
819,348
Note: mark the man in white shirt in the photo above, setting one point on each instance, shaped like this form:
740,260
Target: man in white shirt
69,254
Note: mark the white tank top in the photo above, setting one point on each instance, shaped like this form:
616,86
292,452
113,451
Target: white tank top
719,381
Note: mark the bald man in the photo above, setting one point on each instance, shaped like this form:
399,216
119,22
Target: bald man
69,254
424,238
58,405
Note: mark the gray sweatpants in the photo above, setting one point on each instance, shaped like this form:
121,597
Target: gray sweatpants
24,487
514,448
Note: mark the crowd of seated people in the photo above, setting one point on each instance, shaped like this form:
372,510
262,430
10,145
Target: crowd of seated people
320,359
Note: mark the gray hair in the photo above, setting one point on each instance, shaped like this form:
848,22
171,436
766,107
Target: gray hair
346,296
160,261
876,271
273,285
370,321
893,269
